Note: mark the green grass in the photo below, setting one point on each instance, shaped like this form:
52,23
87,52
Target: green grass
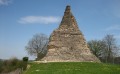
72,68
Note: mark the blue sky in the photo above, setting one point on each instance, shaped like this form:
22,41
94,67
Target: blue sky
21,19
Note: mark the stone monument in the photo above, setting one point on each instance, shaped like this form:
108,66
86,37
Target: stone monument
67,43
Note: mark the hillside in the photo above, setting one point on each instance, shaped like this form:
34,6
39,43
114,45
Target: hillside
72,68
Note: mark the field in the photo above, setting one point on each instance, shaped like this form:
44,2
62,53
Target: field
72,68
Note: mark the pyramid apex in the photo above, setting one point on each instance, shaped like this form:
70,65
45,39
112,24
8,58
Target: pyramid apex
67,8
68,20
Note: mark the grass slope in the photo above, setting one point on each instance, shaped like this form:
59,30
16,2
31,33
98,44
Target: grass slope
72,68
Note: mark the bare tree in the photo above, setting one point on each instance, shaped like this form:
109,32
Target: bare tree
37,46
96,46
106,49
110,42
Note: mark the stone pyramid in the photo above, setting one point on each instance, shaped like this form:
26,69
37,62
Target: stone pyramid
67,43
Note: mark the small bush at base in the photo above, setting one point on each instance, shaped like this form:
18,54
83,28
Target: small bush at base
25,59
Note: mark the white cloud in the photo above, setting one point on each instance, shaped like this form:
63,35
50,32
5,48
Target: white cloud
5,2
114,27
39,19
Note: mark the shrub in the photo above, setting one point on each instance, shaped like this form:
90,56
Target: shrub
1,64
12,64
25,59
24,64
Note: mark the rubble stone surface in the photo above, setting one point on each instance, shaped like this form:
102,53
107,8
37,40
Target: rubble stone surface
67,43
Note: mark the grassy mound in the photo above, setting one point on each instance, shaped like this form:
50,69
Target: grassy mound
72,68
